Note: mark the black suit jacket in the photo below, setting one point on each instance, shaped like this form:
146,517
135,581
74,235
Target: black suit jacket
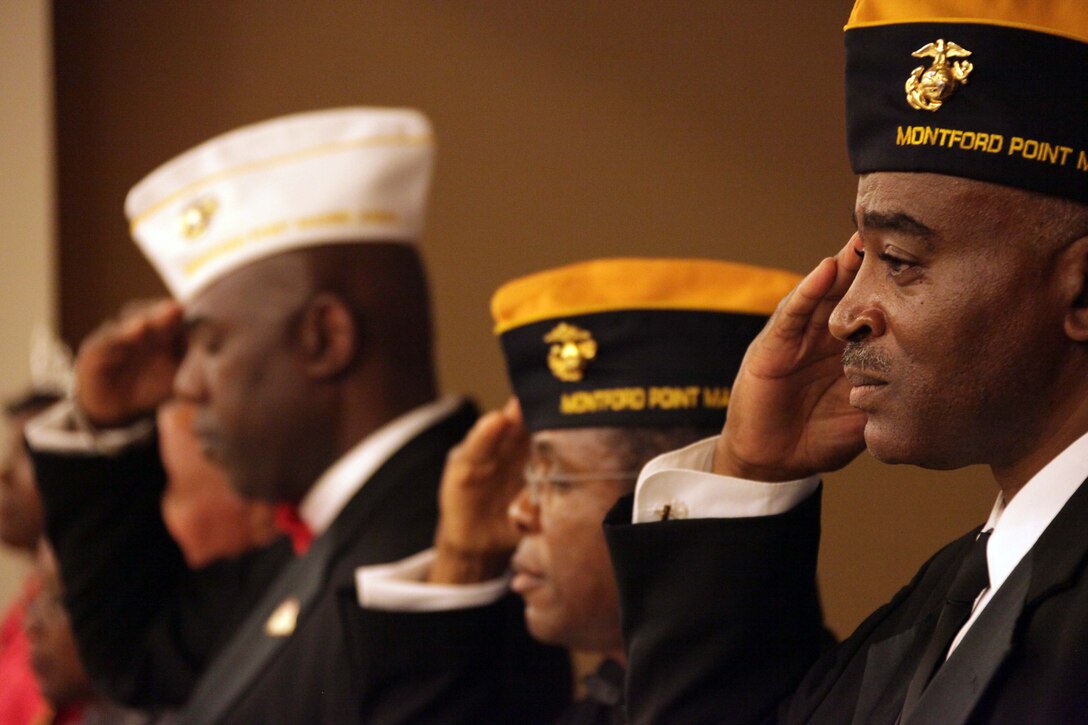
722,623
154,633
603,701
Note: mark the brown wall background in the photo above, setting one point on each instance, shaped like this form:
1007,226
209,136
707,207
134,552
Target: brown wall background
566,129
26,205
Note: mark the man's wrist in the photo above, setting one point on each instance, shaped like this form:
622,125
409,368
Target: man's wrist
726,463
93,421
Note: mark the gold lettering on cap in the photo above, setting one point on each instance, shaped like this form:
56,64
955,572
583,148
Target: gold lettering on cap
928,88
571,348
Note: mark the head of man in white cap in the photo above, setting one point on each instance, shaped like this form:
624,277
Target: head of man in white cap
291,245
300,334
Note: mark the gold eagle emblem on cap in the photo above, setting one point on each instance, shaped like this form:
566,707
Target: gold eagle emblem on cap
928,88
195,218
569,352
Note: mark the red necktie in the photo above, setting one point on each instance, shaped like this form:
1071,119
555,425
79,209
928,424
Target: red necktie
289,522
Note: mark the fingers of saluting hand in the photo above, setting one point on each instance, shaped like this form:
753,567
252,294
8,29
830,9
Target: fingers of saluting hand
139,323
809,306
497,435
156,322
126,367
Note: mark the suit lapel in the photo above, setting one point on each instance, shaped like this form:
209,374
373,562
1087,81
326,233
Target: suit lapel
888,666
283,608
1052,564
1062,548
264,633
890,661
961,680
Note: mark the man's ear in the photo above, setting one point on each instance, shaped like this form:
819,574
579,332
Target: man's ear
328,336
1076,265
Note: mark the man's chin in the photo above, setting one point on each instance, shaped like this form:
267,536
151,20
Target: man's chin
247,489
901,448
887,446
542,627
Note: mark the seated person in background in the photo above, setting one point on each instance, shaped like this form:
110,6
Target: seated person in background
55,659
20,528
613,362
950,330
301,331
207,518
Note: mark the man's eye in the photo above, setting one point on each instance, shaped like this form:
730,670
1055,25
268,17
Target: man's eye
210,344
895,264
561,485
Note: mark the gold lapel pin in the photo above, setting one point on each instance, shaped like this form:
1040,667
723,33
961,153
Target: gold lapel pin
282,621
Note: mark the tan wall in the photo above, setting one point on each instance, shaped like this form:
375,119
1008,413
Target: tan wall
567,130
26,202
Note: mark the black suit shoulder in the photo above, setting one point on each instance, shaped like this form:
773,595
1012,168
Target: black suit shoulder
126,583
747,657
707,601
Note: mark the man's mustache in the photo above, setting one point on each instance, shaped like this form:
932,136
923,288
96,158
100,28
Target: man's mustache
862,357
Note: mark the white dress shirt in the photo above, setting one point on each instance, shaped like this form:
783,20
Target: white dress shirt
341,481
681,481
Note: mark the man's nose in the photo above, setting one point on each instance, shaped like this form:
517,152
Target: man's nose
523,513
858,315
189,380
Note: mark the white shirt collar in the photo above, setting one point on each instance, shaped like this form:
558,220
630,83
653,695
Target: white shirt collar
1020,523
327,498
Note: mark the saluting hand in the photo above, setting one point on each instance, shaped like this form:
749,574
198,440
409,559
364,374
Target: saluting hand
789,414
126,367
483,474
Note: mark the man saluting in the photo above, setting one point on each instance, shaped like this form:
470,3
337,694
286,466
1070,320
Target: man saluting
301,333
952,329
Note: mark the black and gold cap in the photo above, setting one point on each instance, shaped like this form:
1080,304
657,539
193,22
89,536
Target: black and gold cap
992,90
632,342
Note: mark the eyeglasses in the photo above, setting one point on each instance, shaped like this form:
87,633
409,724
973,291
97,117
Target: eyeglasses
543,483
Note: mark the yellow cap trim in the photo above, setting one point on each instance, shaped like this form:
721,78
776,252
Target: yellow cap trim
1067,19
608,285
332,219
271,162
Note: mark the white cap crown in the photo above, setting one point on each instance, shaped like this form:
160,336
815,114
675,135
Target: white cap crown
343,175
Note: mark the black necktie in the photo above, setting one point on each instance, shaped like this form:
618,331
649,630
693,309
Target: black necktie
970,580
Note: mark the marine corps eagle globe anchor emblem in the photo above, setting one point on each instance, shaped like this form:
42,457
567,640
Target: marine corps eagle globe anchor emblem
194,219
571,349
928,88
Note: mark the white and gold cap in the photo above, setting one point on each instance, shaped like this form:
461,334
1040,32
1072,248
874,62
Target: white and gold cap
342,175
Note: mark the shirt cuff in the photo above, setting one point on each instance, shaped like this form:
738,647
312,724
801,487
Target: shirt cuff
679,485
61,429
402,587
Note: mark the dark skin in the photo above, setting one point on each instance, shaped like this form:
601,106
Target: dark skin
54,653
563,570
20,506
289,360
553,542
561,566
483,474
964,315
